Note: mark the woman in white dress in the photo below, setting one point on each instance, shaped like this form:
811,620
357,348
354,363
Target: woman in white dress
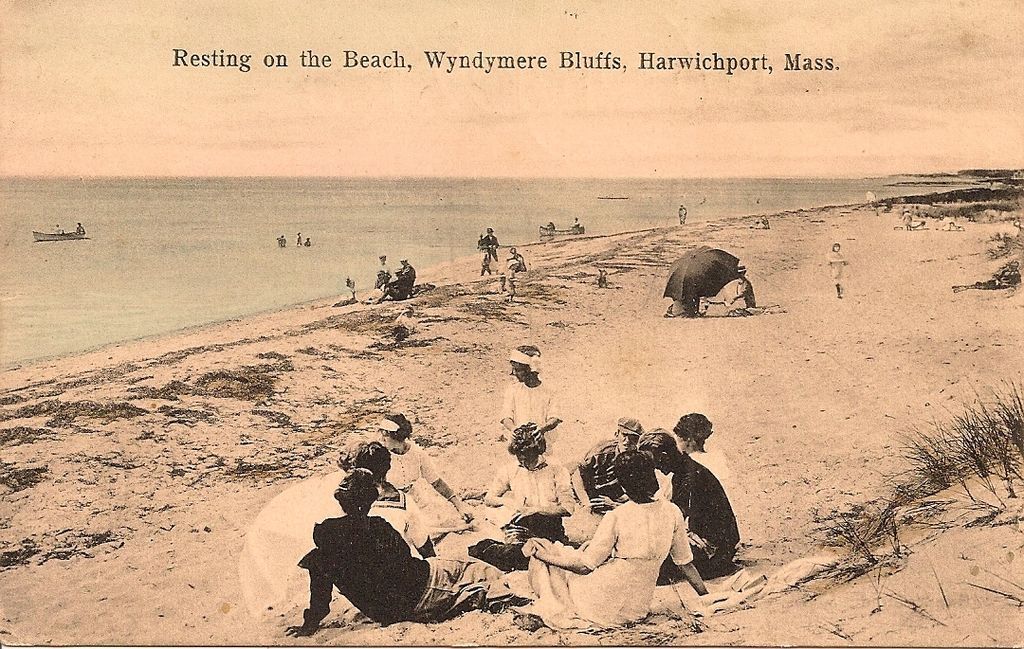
610,580
837,264
413,472
532,498
528,400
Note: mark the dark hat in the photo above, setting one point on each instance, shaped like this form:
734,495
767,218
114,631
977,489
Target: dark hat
631,425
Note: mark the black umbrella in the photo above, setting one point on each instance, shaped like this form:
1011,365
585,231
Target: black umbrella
701,273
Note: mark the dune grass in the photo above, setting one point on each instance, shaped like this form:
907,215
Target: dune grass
979,449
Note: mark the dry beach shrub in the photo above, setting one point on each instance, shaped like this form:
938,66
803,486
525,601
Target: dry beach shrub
979,450
983,443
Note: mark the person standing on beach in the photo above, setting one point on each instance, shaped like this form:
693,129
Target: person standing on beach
298,239
490,243
682,215
836,264
527,399
515,264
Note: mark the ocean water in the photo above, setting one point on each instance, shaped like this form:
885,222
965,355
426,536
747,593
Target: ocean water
164,254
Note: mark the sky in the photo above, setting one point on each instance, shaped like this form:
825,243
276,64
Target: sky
87,88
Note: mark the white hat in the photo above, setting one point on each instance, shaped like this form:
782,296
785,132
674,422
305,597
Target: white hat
533,362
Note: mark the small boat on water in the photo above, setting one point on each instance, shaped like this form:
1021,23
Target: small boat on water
549,230
613,198
58,236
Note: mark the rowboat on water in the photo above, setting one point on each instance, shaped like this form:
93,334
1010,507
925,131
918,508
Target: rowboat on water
58,236
550,230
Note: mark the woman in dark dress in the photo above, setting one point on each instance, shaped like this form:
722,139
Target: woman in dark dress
714,534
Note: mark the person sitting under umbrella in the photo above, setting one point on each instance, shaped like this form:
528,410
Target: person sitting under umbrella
740,289
699,273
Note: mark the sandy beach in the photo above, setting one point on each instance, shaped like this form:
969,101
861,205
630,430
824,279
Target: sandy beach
132,472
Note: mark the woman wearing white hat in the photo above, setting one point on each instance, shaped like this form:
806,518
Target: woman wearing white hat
528,400
410,464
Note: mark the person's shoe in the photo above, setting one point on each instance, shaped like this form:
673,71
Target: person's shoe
528,622
504,603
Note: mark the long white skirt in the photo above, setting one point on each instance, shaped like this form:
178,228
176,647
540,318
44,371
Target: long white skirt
282,533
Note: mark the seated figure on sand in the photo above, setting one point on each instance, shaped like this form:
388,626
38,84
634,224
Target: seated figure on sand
761,223
1006,277
393,505
411,467
700,497
737,295
610,581
269,577
692,432
535,496
401,287
527,399
949,224
369,562
595,478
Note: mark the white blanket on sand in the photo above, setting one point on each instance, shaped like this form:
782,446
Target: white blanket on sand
738,590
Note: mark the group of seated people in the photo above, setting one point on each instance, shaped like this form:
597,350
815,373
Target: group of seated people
658,516
394,287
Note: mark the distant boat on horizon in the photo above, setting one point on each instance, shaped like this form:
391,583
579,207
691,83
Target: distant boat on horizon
58,236
613,198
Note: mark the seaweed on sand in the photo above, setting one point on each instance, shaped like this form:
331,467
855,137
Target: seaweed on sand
20,555
249,383
18,478
23,435
66,413
279,419
168,392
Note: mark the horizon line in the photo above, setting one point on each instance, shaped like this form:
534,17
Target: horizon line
959,172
